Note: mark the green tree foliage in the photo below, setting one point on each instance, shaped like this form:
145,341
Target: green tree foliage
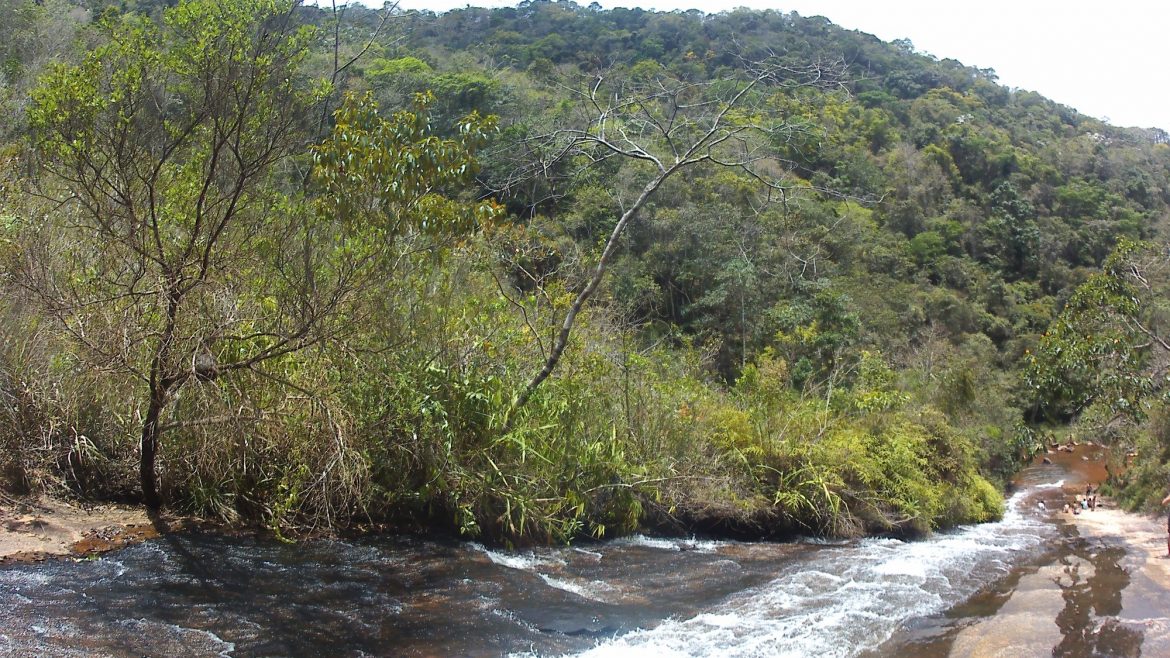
816,335
32,34
186,257
1099,350
1102,366
388,177
844,332
667,125
453,93
165,138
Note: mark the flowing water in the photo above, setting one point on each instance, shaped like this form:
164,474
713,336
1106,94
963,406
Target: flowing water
198,595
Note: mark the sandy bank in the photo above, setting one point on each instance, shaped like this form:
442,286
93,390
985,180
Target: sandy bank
33,529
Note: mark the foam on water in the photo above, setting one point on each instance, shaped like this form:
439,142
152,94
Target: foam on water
24,578
701,546
180,639
523,562
595,590
542,565
822,541
845,600
907,566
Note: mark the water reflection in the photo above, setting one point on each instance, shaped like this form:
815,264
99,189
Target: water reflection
1092,585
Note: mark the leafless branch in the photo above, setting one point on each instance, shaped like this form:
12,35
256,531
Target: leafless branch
672,125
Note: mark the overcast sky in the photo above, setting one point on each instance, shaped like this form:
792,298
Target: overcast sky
1109,60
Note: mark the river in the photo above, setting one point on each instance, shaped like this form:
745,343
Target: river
208,595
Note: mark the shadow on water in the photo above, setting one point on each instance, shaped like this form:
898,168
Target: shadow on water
283,612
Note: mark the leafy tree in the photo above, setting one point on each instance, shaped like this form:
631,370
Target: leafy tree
994,206
1103,346
454,93
388,177
164,142
815,334
31,35
188,251
1012,234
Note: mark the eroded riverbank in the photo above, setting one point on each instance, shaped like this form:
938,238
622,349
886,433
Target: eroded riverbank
32,530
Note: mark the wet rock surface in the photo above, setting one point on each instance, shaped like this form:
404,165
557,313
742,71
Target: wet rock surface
1100,587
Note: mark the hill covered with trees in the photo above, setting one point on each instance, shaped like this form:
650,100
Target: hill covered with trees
551,271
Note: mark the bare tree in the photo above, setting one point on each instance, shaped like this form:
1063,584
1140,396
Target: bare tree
670,124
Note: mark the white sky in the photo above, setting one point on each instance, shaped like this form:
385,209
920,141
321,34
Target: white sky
1108,60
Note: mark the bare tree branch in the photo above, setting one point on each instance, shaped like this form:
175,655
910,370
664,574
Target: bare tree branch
670,124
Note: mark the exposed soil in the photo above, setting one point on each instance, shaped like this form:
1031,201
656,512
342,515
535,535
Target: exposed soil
33,530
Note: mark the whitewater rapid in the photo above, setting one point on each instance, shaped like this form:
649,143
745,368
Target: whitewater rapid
845,600
208,595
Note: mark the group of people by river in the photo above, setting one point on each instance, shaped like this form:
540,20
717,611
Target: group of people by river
1087,502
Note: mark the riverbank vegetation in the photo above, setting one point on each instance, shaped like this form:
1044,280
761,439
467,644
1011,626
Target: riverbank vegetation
548,272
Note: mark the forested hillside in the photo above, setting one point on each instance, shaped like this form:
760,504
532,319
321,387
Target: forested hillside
553,271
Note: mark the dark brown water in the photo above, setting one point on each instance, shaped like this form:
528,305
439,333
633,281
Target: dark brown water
198,595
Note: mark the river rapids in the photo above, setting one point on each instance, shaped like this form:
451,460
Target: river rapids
207,595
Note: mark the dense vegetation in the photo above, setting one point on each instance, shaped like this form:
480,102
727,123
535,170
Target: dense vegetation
552,271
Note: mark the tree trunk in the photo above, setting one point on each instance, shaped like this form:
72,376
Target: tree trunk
161,386
149,448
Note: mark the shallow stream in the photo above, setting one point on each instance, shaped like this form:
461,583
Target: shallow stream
200,595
